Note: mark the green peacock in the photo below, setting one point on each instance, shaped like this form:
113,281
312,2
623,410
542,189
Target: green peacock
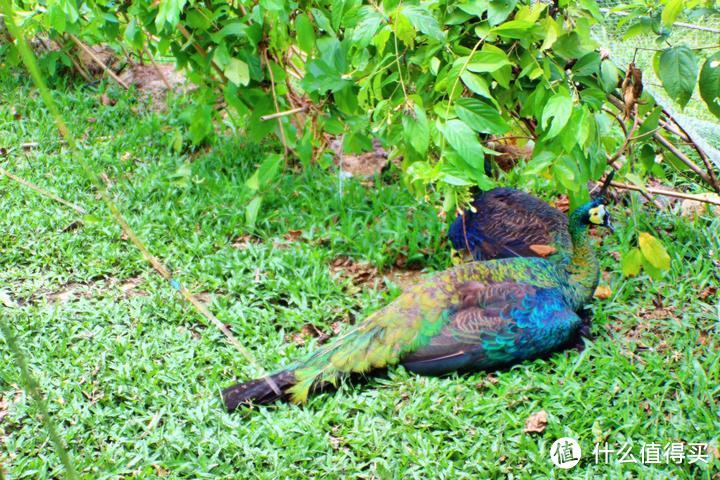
480,315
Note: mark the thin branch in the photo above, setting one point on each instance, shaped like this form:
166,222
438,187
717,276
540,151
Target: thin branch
628,138
273,116
665,192
667,144
703,156
31,64
97,60
157,68
42,191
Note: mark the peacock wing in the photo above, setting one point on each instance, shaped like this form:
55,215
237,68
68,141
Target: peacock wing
494,325
510,223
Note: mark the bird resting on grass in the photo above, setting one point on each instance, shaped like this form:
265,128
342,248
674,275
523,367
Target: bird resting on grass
475,316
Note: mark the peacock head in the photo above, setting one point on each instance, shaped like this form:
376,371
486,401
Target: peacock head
594,212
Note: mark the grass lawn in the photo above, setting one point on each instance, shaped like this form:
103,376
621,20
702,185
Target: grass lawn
133,375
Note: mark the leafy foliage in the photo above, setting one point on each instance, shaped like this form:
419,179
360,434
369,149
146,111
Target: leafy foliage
434,81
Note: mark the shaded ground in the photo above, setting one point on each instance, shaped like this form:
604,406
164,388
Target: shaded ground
133,375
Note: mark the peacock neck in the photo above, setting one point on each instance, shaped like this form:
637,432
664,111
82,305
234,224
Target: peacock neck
583,268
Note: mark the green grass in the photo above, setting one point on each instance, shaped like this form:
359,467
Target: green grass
133,377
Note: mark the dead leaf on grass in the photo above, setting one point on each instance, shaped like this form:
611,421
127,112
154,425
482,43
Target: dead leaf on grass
293,235
707,292
242,242
359,273
602,292
536,422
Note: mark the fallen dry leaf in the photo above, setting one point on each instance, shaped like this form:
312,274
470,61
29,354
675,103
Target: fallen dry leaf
707,292
602,292
105,100
293,235
543,250
243,241
536,422
357,272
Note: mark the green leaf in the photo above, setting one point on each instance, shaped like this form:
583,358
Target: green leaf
423,20
654,251
609,76
480,116
404,29
552,32
367,27
678,70
559,109
566,173
514,29
710,83
168,13
499,10
417,130
671,11
252,210
488,61
268,168
305,33
478,85
464,141
237,72
631,262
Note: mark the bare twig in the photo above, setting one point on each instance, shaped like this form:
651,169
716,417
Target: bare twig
682,157
97,60
667,144
42,191
703,156
273,116
628,138
665,192
157,68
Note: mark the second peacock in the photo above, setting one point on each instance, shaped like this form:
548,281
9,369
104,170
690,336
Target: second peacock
475,316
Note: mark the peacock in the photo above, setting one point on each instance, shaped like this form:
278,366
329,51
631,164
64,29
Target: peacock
474,316
504,222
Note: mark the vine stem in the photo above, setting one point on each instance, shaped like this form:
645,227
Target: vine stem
397,60
277,107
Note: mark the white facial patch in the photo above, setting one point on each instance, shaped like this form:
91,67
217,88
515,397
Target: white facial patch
597,215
